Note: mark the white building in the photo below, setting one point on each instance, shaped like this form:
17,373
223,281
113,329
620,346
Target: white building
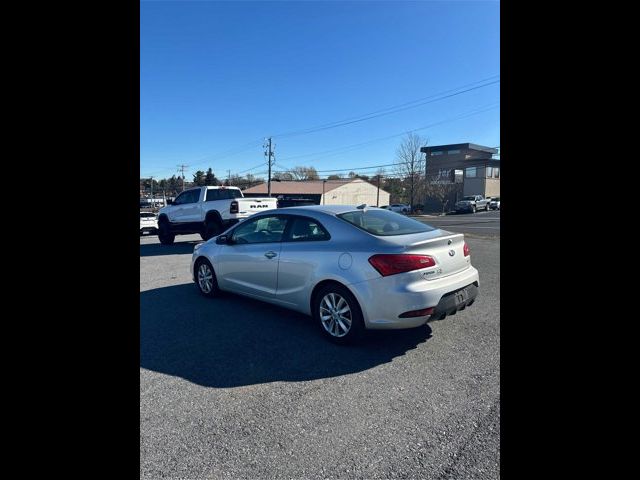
353,191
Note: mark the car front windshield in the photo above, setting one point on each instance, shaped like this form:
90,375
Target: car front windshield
384,222
469,198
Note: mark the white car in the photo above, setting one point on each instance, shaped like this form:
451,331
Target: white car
495,203
350,268
400,208
148,223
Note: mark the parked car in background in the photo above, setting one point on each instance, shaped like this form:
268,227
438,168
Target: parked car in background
148,223
472,203
495,203
207,211
400,208
350,268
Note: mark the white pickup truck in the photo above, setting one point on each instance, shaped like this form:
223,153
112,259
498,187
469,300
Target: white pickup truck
208,211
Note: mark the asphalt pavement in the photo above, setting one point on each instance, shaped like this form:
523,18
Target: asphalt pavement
480,224
236,388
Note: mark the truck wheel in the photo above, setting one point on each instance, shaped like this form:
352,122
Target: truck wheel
164,234
211,229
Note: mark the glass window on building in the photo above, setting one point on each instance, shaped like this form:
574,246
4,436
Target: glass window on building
433,154
472,172
496,172
454,152
489,172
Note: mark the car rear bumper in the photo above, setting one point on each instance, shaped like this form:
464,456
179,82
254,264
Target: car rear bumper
148,230
454,301
383,300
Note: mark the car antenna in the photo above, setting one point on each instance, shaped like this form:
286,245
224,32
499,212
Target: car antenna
362,207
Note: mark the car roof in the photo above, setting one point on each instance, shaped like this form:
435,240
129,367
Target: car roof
330,209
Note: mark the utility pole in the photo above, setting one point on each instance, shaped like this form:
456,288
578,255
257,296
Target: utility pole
426,180
181,169
152,202
270,161
323,184
378,195
229,177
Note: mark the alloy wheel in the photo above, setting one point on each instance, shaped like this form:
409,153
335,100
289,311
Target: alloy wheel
335,315
205,278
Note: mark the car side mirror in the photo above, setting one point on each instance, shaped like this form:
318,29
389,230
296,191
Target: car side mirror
224,240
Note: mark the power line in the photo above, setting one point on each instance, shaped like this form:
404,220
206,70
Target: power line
220,156
386,111
389,110
326,153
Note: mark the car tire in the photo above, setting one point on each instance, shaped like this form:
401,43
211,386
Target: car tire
331,300
211,229
205,278
164,234
473,209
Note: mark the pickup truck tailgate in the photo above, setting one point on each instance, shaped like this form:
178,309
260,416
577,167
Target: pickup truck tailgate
249,206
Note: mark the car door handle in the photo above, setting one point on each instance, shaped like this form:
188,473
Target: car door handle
270,254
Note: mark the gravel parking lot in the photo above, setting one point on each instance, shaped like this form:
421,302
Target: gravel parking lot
235,388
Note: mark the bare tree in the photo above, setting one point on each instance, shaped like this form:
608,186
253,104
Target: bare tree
441,188
282,176
411,162
304,173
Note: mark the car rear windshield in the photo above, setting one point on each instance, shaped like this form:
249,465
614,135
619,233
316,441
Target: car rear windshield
384,222
147,215
468,198
496,199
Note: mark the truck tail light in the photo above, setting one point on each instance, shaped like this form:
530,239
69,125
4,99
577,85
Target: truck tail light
391,264
234,207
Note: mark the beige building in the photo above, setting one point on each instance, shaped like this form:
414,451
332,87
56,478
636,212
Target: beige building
353,191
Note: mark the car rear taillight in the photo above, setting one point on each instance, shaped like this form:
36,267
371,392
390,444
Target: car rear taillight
234,207
390,264
467,250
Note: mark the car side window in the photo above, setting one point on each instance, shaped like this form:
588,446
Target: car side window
304,229
194,196
266,229
212,195
180,199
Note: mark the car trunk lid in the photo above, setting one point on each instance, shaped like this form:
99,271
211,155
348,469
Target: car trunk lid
445,247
